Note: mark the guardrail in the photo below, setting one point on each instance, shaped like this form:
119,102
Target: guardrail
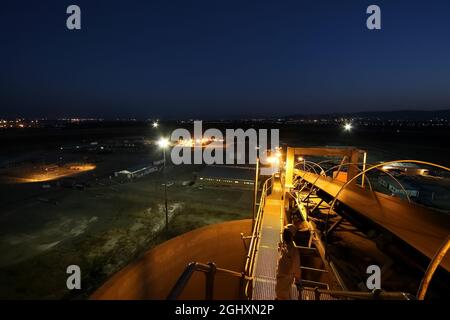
210,270
253,247
356,295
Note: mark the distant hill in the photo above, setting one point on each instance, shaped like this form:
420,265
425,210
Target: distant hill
383,115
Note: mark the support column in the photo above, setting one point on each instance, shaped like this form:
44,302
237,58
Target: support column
289,172
353,169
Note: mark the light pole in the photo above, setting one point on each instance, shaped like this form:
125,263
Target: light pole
255,189
163,143
347,129
301,159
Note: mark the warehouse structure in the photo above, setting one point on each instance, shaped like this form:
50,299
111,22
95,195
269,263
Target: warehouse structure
135,172
227,175
394,186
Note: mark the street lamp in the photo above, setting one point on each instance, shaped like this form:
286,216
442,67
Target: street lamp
155,124
274,160
255,187
301,159
163,143
348,127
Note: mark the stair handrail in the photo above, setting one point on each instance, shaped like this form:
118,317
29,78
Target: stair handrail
210,270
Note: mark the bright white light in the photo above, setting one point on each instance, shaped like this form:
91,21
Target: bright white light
348,127
300,159
273,160
163,142
155,124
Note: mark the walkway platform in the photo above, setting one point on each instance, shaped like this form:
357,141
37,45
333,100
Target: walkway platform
267,252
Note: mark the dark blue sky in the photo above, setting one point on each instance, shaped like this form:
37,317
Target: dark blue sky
222,58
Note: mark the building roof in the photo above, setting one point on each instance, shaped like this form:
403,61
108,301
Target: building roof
135,169
407,183
401,165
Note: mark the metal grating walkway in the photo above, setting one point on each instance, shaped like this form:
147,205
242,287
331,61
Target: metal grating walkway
264,277
267,252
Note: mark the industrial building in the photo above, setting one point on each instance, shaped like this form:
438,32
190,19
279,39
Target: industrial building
405,168
136,172
227,175
392,185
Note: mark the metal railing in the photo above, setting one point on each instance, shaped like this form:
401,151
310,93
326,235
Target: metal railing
210,270
249,263
434,263
357,295
256,234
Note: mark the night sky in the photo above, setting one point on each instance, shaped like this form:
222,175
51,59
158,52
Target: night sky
192,58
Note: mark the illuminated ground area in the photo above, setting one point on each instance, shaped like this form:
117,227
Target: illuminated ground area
42,173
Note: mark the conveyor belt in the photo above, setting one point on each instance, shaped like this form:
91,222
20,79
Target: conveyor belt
421,228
